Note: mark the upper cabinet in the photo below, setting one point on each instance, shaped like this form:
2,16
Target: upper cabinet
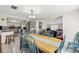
3,21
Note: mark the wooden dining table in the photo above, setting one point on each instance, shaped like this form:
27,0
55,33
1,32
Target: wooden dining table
46,44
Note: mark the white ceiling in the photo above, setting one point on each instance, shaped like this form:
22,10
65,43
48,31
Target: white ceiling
41,11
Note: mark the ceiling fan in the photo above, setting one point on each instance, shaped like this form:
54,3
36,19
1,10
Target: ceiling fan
14,7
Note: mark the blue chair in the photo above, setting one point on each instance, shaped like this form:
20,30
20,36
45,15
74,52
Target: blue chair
33,48
74,45
61,45
23,42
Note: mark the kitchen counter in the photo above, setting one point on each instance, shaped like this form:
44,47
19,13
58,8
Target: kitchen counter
4,34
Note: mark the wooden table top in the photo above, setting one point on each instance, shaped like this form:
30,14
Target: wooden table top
48,48
44,46
48,38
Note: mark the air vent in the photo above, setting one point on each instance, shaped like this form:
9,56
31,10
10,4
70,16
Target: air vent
14,7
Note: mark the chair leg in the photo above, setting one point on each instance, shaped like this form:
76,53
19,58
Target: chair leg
13,39
6,40
68,46
74,50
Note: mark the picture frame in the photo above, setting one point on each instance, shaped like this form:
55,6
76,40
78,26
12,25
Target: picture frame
40,25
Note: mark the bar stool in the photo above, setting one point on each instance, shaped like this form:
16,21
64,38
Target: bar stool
9,39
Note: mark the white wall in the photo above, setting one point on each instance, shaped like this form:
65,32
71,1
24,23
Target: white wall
57,20
15,24
70,25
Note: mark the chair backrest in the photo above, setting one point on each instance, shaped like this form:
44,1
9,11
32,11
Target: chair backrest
61,45
76,40
32,44
23,41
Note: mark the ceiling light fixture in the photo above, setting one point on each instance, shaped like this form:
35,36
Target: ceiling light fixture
31,15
